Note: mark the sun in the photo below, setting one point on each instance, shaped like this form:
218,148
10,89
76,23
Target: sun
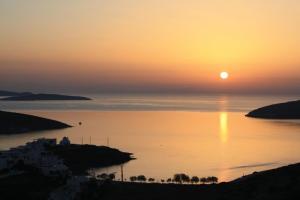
224,75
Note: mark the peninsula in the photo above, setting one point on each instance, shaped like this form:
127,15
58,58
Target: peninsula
42,97
80,158
287,110
15,123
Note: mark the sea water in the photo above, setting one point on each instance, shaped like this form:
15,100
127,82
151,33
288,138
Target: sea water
202,135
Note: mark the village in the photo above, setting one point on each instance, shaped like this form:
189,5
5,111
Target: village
36,155
60,166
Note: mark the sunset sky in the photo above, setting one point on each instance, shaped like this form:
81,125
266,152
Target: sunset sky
150,45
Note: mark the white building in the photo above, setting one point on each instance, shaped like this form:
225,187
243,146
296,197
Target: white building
35,154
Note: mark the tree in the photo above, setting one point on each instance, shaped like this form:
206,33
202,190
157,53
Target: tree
133,178
181,178
112,176
185,178
103,176
162,180
208,179
169,180
203,180
177,178
195,179
151,180
214,179
141,178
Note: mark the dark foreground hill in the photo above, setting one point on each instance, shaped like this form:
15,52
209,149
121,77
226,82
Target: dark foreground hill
276,184
282,183
43,97
13,123
288,110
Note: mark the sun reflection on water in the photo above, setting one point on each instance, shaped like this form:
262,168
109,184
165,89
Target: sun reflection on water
223,134
223,127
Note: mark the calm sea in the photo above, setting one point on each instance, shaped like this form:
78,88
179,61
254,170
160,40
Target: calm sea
198,135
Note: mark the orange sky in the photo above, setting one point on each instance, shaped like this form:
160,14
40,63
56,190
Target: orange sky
139,45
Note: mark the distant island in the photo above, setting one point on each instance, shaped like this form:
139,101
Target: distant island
4,93
15,123
287,110
42,97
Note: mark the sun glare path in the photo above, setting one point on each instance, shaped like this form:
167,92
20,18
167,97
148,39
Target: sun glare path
223,127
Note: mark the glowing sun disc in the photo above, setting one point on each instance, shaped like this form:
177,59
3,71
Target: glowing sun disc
224,75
